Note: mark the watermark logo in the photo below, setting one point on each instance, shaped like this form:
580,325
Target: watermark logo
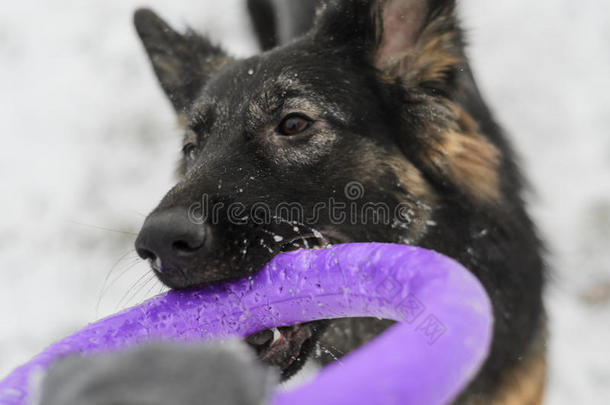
432,328
354,190
353,209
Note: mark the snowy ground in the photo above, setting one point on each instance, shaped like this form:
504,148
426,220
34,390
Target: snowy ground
89,144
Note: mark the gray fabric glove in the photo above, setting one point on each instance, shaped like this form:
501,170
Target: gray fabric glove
161,374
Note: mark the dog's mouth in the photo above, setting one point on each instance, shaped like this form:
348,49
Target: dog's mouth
288,347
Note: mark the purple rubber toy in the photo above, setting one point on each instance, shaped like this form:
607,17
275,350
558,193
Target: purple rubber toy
440,342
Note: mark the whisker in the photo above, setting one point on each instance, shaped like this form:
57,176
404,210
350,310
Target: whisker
105,282
140,288
103,228
130,289
137,212
113,282
150,290
135,261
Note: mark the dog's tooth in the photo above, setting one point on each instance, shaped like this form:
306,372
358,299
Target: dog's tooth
155,264
276,334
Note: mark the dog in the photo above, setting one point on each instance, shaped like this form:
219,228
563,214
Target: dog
360,121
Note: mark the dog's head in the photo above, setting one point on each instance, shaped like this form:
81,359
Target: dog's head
352,133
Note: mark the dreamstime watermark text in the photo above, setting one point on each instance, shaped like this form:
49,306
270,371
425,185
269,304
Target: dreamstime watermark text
352,209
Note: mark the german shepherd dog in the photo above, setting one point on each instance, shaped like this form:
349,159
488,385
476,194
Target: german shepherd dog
376,95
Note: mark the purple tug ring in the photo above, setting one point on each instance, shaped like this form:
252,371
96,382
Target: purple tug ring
441,340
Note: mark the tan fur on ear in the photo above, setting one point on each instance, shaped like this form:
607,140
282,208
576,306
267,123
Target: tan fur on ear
459,153
418,46
472,163
436,55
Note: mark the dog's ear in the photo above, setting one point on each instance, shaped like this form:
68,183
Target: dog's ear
417,44
417,41
182,63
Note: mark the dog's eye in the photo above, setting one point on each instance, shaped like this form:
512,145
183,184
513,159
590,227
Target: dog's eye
190,142
190,151
293,124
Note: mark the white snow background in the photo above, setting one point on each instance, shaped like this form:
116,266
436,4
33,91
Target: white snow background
89,143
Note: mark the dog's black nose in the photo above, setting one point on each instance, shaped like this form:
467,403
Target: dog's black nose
171,240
